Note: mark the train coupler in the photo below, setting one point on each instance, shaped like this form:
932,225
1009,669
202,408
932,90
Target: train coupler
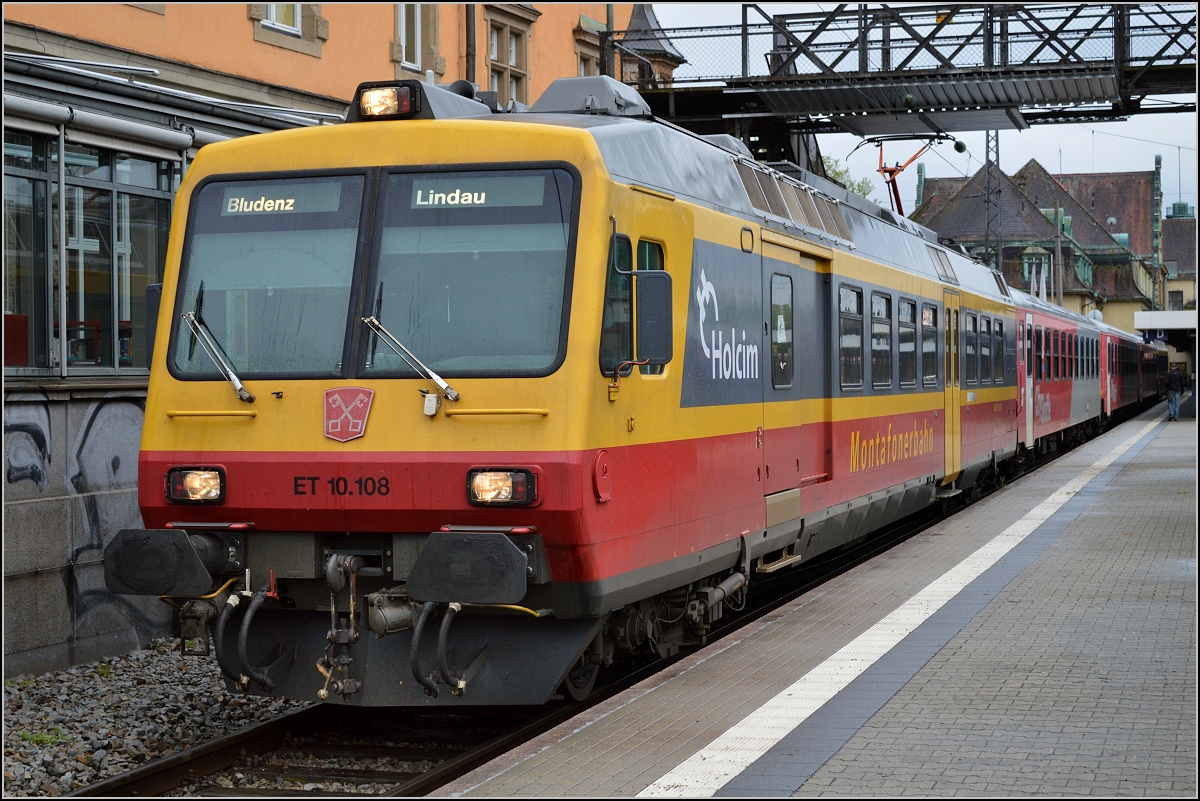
327,666
194,620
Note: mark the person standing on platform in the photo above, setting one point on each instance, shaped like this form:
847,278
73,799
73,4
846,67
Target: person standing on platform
1174,392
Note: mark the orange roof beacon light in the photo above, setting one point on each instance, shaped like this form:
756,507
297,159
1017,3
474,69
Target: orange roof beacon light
414,100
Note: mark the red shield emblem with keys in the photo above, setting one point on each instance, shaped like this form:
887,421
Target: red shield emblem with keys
346,410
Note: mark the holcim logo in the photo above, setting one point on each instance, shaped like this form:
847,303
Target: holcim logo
731,359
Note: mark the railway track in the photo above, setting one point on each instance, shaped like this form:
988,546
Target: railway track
413,752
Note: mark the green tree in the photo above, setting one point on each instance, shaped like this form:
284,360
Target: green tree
841,174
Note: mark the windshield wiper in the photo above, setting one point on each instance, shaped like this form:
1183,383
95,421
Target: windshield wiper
202,334
375,340
410,358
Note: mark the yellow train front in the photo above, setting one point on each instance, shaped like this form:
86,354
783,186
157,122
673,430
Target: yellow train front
450,406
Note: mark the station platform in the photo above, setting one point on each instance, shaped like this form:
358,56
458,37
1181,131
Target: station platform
1042,641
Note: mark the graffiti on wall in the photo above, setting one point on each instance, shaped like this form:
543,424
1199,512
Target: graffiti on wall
101,475
27,442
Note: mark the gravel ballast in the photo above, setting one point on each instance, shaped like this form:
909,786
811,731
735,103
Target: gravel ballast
74,727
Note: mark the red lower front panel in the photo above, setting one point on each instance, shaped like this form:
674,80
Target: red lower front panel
600,513
664,499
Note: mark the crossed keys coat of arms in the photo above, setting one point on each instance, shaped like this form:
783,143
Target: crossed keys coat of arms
346,410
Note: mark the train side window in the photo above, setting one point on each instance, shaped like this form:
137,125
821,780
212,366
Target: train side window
929,348
999,351
1028,351
1074,356
906,316
970,351
881,341
1059,355
850,337
1053,348
985,350
616,332
781,331
650,257
946,360
957,344
1020,343
1068,355
1040,356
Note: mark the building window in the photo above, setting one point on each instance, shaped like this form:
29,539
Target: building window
1175,301
282,17
782,368
292,26
587,45
929,347
881,341
408,34
118,209
850,337
508,51
1035,262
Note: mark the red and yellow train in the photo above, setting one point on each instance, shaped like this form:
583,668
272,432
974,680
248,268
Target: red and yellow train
450,406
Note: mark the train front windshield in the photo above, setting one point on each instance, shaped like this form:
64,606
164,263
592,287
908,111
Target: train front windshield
472,271
469,272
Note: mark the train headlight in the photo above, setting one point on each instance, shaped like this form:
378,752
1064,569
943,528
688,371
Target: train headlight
501,487
385,101
196,485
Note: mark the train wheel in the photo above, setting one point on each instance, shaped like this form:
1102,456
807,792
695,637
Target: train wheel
581,678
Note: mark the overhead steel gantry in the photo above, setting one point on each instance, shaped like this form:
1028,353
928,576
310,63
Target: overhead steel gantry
880,70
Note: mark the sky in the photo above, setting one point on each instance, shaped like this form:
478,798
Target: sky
1128,146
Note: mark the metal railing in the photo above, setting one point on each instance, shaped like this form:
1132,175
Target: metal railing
857,40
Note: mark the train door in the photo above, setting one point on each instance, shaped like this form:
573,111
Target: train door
796,436
1107,384
1028,399
953,425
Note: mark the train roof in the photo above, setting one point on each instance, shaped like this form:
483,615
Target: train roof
640,149
1026,301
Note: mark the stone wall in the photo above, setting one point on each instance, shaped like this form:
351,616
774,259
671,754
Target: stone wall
70,484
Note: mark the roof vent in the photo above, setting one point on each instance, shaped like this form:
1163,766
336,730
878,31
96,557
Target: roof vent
730,143
596,94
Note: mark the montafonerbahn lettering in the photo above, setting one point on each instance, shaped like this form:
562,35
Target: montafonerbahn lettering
455,198
733,359
884,449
